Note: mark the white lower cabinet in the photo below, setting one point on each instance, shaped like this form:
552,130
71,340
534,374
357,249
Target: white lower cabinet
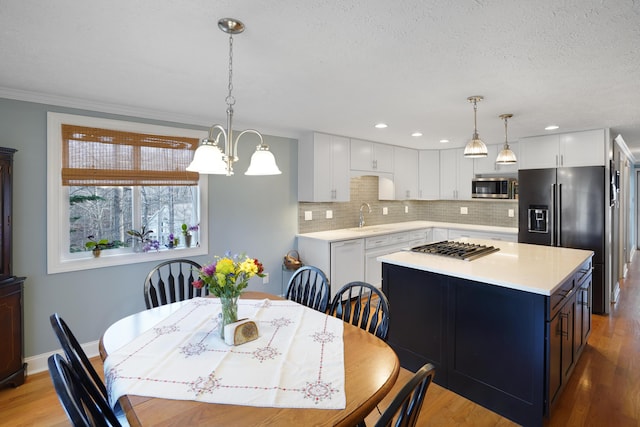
347,263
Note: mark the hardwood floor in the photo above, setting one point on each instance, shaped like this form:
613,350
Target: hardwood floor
604,388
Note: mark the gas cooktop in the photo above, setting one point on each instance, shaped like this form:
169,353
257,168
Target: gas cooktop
458,250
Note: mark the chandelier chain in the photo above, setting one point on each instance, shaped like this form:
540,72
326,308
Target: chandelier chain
230,99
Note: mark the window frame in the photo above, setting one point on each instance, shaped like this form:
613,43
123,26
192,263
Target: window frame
59,259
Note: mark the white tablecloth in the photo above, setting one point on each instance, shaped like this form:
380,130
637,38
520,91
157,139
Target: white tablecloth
297,362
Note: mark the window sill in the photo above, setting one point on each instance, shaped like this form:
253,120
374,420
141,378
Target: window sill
114,257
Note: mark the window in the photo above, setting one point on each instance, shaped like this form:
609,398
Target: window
107,177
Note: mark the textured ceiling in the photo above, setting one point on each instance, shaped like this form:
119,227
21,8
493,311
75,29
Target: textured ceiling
337,66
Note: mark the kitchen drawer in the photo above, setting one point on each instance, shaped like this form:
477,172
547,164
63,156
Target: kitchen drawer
396,238
377,241
417,235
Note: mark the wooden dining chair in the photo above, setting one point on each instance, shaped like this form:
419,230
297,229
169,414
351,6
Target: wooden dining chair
363,305
309,286
80,362
171,281
81,400
405,406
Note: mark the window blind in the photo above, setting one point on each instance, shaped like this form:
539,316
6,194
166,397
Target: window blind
94,156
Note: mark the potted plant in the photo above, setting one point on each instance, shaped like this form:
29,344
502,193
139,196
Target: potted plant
186,232
97,245
140,237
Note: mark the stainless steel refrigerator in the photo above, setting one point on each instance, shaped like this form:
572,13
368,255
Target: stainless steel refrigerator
566,207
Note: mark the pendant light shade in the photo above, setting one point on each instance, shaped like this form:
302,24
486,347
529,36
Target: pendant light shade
209,157
506,156
475,148
263,162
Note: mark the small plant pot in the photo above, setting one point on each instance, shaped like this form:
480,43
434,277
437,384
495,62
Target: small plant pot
96,252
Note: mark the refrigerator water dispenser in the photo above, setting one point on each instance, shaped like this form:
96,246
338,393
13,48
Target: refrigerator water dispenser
538,219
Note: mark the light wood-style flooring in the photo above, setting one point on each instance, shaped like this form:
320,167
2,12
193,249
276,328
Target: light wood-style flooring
603,391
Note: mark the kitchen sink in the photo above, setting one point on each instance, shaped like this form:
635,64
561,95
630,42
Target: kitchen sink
366,229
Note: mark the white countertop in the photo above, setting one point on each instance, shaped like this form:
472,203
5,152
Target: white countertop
531,268
375,230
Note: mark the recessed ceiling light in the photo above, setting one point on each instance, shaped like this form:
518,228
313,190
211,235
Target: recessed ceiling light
444,141
416,134
552,127
381,125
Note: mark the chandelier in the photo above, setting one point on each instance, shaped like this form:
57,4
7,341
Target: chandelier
506,156
475,147
209,157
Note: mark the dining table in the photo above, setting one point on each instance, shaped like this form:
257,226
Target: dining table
371,368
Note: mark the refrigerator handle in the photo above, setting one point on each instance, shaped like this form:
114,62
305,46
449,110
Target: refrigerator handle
552,214
559,214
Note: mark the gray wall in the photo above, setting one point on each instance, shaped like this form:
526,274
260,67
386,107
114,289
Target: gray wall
257,215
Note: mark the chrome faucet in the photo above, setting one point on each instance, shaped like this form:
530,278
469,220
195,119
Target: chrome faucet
363,205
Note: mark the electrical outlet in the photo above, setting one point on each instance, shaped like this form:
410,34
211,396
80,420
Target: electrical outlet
265,279
464,210
329,214
511,213
385,211
406,209
308,216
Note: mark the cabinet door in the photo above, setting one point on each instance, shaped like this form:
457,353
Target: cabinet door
347,263
567,326
383,157
429,174
464,175
582,148
539,152
555,357
405,173
361,155
448,174
340,174
323,168
371,156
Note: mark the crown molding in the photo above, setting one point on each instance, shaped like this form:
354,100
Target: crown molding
125,110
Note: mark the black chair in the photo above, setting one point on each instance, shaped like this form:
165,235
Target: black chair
171,281
406,406
74,352
80,362
309,286
81,400
363,305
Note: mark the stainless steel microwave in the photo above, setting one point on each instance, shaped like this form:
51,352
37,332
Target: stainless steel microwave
494,188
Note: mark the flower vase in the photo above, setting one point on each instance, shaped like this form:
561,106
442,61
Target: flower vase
187,240
229,312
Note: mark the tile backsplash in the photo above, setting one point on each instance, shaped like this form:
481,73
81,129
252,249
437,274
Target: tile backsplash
364,189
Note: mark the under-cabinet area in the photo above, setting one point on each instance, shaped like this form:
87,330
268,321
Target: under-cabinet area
506,338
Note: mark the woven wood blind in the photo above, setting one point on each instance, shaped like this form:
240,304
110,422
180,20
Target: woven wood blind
94,156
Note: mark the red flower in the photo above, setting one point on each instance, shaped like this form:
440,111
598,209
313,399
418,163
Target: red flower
197,284
259,265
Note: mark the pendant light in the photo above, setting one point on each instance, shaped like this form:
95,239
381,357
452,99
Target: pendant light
475,147
209,158
506,156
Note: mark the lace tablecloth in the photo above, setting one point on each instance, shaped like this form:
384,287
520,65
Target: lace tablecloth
297,362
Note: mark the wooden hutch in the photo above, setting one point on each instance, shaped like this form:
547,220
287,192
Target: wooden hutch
12,366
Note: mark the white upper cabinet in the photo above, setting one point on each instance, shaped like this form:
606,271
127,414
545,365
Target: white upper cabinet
585,148
371,156
323,168
456,174
488,166
429,175
405,173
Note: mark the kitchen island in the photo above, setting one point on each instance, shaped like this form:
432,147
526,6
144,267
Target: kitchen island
504,330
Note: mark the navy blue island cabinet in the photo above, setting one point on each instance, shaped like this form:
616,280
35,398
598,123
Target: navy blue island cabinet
508,350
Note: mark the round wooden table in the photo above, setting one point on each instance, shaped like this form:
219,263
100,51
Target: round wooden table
371,368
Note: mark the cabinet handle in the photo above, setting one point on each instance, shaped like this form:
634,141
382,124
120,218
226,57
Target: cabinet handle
375,164
557,164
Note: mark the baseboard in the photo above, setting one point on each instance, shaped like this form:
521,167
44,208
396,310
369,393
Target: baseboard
38,363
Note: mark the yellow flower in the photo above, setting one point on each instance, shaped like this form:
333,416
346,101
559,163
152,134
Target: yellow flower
225,266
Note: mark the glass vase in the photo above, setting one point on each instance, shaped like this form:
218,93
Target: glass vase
229,313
